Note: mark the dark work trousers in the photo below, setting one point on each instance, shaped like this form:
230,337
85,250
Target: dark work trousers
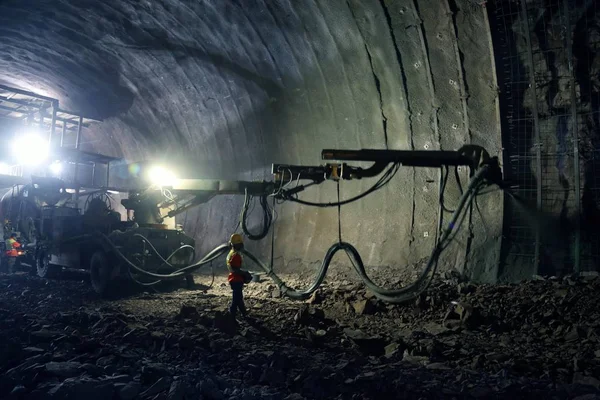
237,300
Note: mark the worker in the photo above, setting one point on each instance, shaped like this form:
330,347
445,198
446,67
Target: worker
237,277
11,251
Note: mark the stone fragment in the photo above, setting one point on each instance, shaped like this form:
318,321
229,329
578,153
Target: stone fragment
573,334
210,390
437,366
586,380
85,389
294,396
362,307
176,391
225,322
129,391
276,293
315,298
188,311
161,385
105,361
63,369
391,349
151,372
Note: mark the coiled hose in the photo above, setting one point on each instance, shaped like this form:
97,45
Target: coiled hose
267,217
396,296
211,256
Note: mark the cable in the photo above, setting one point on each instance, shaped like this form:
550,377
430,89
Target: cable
443,182
384,180
339,213
267,217
273,236
457,176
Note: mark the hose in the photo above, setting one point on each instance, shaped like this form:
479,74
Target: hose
211,256
267,217
166,260
384,180
395,296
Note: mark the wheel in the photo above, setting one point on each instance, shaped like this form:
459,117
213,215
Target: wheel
100,272
44,268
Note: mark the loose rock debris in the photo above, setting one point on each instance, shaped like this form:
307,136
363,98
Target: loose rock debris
540,338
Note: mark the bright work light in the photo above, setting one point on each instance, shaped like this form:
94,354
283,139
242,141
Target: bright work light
56,168
160,176
30,149
4,169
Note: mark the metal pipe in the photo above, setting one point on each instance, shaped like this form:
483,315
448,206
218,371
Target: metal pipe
107,174
26,93
62,135
411,158
21,102
78,139
53,126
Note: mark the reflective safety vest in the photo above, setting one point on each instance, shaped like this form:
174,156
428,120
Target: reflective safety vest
11,247
234,265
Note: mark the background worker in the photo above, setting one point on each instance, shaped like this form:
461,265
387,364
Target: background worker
237,277
11,252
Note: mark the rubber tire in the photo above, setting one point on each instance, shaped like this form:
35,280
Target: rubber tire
44,268
100,273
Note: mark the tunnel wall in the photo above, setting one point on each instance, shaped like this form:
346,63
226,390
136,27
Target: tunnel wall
224,89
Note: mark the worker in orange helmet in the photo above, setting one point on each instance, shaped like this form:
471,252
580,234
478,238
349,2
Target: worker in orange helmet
11,251
237,277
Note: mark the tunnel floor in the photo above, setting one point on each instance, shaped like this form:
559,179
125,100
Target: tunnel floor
536,339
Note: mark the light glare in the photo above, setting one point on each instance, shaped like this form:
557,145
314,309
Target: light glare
161,176
30,149
5,169
56,168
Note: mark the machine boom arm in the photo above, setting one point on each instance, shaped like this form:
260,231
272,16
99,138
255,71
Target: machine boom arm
185,194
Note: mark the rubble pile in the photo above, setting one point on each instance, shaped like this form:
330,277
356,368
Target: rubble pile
540,338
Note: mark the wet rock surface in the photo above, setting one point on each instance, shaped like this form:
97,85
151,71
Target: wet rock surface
537,339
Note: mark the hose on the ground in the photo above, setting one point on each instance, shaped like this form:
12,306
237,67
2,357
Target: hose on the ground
395,296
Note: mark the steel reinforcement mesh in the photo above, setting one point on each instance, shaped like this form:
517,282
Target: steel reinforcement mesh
549,86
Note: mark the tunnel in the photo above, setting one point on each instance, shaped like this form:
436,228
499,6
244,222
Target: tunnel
224,90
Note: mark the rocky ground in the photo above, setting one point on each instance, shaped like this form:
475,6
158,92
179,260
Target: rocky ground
534,340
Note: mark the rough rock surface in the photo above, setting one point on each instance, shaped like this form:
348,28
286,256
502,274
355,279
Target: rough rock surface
538,339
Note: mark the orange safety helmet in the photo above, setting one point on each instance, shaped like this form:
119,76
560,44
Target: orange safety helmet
236,238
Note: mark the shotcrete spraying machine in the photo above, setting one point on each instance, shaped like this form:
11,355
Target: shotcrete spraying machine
148,247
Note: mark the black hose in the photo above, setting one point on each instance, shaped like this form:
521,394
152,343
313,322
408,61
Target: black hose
395,296
384,180
166,260
211,256
267,217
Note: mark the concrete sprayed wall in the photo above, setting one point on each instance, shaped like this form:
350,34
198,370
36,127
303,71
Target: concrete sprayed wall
225,88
